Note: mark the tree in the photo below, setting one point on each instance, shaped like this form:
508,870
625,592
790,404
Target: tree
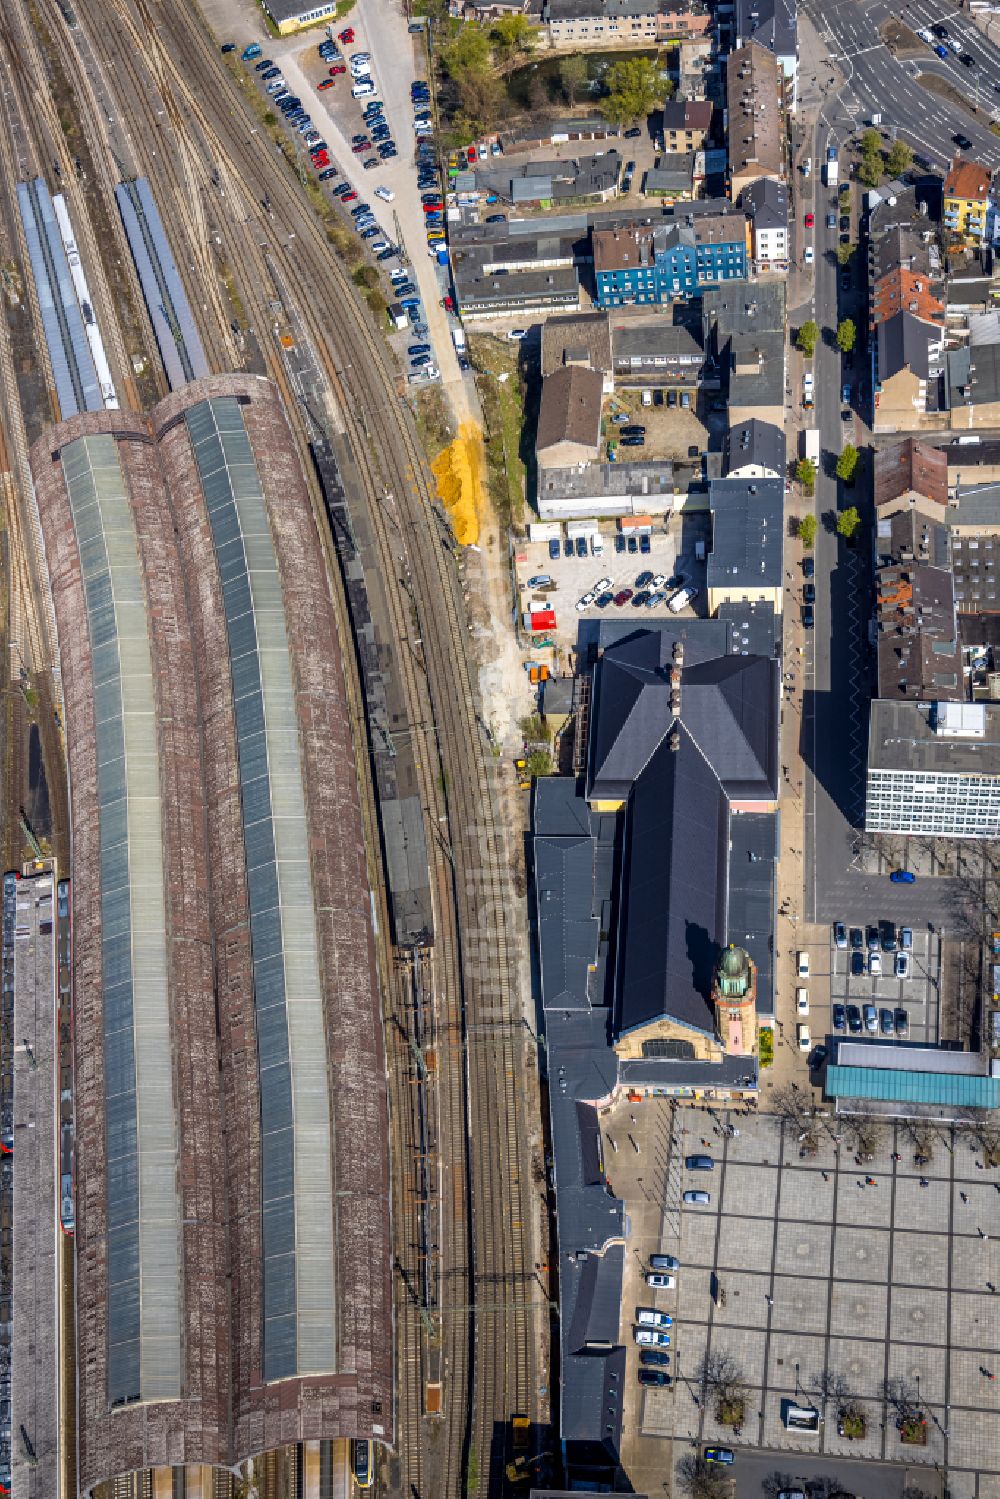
847,335
539,763
514,38
845,254
899,159
847,466
871,143
864,1131
805,473
481,96
848,522
720,1374
635,86
468,53
807,530
870,171
574,76
702,1480
792,1104
807,338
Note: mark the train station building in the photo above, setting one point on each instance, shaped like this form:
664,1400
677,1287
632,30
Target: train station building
232,1137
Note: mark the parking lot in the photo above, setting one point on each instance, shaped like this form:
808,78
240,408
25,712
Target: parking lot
671,555
918,994
802,1283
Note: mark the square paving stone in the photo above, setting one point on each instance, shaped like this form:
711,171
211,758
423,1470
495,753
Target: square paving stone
989,1484
969,1388
799,1304
694,1294
870,1206
751,1190
975,1323
803,1249
746,1243
918,1316
806,1196
975,1265
962,1485
744,1305
785,1350
919,1259
921,1367
982,1211
697,1246
759,1140
858,1308
657,1417
745,1347
898,1451
921,1207
860,1364
861,1254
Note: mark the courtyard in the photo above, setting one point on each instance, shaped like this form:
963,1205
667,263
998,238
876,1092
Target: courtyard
864,1293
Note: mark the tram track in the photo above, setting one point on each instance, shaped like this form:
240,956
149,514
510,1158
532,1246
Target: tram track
481,1078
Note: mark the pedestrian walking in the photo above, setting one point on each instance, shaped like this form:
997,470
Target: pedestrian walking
964,1196
991,1287
924,1182
826,1176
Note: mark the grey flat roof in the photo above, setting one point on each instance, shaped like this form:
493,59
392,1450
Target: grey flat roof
900,737
291,10
607,479
649,337
754,628
979,506
747,533
672,1076
902,1058
745,307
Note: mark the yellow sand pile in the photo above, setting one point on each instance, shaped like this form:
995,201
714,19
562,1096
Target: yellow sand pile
459,471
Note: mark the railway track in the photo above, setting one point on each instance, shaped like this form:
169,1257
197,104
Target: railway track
481,1072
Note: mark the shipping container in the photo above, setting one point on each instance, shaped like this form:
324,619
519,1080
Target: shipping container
543,619
585,528
544,530
635,523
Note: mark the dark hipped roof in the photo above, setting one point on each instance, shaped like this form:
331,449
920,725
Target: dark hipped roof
570,409
904,342
756,443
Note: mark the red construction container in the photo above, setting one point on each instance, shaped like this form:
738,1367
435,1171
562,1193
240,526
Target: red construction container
543,619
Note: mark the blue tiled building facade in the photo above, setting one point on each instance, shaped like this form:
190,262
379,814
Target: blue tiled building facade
649,266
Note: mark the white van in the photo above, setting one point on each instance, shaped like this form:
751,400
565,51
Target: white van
681,598
363,90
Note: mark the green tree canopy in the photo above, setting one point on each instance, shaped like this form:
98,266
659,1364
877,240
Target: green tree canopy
481,96
635,86
847,335
845,254
469,52
805,473
848,522
871,143
847,465
899,159
514,37
807,338
870,171
574,76
807,530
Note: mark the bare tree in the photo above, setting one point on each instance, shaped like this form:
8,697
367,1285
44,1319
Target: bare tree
864,1132
702,1480
792,1104
923,1135
985,1130
902,1398
720,1373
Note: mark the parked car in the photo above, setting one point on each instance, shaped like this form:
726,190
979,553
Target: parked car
804,1040
660,1282
699,1163
839,934
663,1262
875,964
651,1337
885,1022
903,877
802,1001
803,964
622,596
654,1377
653,1356
902,1021
697,1199
857,939
902,965
906,938
854,1020
871,1019
648,1316
720,1455
857,965
871,938
839,1018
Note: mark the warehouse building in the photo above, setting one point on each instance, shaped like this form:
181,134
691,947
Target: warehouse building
232,1166
293,15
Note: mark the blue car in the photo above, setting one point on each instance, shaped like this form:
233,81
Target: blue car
902,877
553,548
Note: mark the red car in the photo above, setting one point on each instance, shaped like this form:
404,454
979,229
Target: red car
623,597
327,83
433,207
350,197
320,160
336,72
809,221
347,35
361,146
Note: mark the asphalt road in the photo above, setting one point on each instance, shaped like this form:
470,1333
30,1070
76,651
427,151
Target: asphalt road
838,677
865,1479
879,82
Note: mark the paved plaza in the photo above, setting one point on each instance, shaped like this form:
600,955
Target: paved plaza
822,1290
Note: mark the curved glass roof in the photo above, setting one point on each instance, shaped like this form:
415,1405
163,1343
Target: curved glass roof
296,1143
143,1209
